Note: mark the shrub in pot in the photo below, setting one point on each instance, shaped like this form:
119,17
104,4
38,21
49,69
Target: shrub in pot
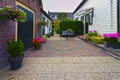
15,50
48,35
112,40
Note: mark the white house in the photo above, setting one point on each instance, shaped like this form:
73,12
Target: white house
100,15
48,28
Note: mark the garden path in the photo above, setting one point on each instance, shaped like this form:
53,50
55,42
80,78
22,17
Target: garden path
65,60
62,47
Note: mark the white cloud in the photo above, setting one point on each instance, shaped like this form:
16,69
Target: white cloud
60,5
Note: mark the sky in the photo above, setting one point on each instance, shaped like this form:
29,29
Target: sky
60,5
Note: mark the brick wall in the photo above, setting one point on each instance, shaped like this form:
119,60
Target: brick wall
7,33
7,30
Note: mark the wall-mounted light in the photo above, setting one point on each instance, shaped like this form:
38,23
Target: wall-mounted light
30,1
1,0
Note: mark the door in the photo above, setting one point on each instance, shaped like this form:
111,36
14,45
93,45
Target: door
86,23
118,15
25,29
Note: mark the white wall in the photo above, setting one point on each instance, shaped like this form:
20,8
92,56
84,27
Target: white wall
105,15
48,27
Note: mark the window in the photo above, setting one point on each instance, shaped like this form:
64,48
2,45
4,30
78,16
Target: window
90,18
87,18
77,19
43,19
82,18
47,23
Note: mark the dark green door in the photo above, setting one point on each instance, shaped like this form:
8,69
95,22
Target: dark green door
86,23
118,15
25,29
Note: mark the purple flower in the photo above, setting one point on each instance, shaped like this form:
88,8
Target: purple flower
41,39
95,30
115,35
90,31
106,35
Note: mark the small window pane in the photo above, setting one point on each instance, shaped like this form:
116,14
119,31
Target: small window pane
87,18
82,18
90,18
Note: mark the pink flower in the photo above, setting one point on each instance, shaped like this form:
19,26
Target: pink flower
95,31
113,35
41,39
90,31
106,35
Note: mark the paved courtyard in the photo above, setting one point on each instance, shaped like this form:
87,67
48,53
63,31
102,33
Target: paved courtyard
65,60
62,47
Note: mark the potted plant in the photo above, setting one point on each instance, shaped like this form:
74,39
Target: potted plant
9,13
48,35
69,30
15,50
42,23
17,15
111,40
36,43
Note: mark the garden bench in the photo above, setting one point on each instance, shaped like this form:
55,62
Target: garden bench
68,35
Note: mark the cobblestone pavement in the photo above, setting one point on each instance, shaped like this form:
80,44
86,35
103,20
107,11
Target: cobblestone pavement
61,47
95,66
65,68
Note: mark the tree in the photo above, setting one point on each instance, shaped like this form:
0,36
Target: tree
56,26
62,16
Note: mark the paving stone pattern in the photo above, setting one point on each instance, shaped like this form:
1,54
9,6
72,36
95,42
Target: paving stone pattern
57,47
85,62
65,68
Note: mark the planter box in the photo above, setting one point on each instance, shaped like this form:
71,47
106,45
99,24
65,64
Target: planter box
106,44
112,45
16,63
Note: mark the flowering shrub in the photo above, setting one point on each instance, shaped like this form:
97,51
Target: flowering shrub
44,37
114,37
92,33
42,40
36,42
9,13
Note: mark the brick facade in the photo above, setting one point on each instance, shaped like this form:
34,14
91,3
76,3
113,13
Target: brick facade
7,30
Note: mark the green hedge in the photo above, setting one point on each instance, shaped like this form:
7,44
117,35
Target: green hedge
76,26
